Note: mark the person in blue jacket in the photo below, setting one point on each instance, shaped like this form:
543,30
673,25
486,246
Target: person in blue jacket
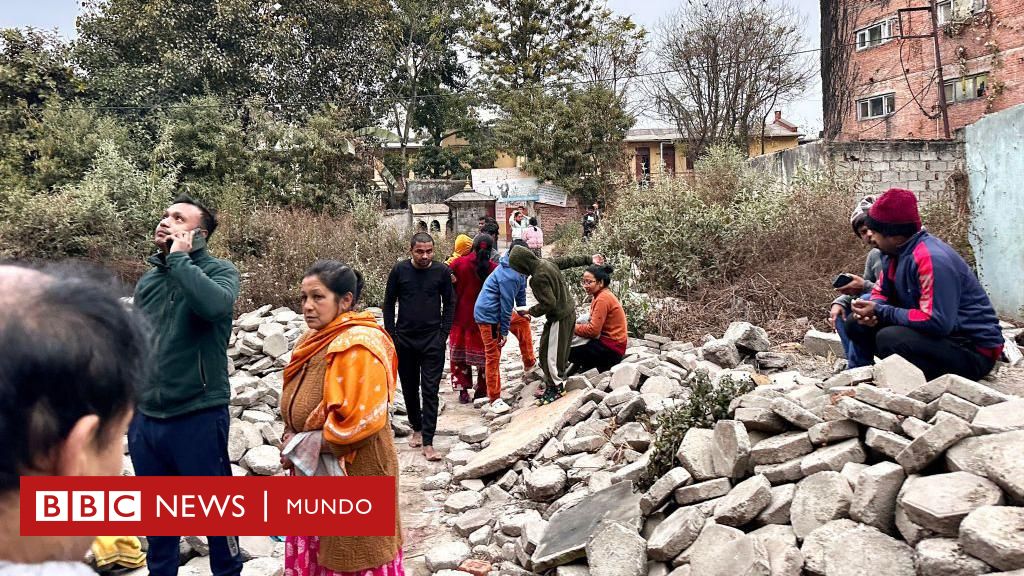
502,292
927,306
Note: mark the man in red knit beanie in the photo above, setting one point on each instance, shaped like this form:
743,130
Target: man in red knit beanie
927,306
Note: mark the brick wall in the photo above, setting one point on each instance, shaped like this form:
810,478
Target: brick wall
550,217
926,167
994,45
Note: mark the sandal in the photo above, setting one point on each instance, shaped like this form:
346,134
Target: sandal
551,393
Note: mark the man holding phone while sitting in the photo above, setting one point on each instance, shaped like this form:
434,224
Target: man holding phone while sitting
181,425
852,286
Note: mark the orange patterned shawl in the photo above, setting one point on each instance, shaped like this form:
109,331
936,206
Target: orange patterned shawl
359,381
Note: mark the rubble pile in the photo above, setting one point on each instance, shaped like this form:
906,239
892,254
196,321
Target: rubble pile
867,471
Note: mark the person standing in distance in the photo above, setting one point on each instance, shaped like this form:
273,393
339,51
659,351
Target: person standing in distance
181,425
422,288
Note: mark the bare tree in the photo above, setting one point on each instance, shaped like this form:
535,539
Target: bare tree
838,73
725,61
613,56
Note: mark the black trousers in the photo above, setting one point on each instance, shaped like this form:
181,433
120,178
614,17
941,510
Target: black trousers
593,354
935,356
420,364
194,444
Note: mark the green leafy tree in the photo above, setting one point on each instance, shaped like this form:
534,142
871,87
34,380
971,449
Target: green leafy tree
528,42
572,137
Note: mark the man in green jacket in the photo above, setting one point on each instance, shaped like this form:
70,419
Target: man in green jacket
181,425
556,304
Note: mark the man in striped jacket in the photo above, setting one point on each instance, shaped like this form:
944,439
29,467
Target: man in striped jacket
927,306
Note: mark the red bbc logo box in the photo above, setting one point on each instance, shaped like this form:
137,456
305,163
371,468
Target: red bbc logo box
88,506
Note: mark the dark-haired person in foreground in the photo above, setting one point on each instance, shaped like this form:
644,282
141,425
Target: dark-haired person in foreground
337,389
422,288
181,427
604,333
72,357
927,306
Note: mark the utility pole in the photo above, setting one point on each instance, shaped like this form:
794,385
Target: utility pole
934,14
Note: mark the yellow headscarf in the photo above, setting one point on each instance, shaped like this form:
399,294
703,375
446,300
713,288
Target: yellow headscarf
463,244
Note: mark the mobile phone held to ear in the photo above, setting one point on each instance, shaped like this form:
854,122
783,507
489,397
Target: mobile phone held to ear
842,280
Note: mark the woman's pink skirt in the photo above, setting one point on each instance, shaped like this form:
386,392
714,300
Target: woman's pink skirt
300,554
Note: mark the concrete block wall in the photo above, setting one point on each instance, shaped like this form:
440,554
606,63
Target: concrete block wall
929,168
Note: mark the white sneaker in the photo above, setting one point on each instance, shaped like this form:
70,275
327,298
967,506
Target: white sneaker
499,407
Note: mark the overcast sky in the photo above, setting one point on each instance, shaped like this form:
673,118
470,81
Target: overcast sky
804,111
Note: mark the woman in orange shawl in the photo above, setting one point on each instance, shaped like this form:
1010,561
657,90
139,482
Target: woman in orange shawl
339,384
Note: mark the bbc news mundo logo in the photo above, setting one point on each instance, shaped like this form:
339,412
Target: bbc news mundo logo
216,506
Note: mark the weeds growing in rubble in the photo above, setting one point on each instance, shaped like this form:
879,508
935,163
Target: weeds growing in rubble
708,403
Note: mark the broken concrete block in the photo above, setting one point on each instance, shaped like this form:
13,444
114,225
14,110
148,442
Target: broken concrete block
545,483
1005,464
1003,417
930,391
730,449
874,497
868,415
625,376
973,392
889,401
852,471
781,448
760,419
899,375
930,445
845,548
945,557
885,443
940,502
832,431
777,510
744,502
675,534
824,344
956,406
716,553
616,550
663,488
819,499
794,413
568,530
995,534
832,457
914,427
722,353
702,491
747,336
781,473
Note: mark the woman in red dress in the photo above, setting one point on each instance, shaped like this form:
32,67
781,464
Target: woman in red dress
467,348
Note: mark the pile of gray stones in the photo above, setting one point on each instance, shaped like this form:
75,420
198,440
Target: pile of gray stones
837,473
869,471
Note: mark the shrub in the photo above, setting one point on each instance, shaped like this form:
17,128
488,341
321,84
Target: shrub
733,244
708,403
290,240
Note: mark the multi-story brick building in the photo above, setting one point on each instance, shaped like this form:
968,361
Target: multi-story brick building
893,78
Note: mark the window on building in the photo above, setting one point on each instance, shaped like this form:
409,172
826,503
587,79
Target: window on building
876,106
874,35
966,88
954,10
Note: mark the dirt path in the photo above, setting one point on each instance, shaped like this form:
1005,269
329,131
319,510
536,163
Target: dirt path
422,512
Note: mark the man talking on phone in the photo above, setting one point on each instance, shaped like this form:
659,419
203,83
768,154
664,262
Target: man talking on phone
181,425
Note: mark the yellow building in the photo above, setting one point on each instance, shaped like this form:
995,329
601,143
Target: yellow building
779,134
656,153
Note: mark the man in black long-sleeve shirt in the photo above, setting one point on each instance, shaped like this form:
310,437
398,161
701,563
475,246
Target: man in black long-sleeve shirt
423,290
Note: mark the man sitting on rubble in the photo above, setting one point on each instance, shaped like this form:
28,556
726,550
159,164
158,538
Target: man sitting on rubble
927,306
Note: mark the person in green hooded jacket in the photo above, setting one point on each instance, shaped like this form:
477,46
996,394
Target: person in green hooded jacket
555,303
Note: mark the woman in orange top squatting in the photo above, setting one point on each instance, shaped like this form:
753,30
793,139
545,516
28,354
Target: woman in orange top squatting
600,339
337,387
